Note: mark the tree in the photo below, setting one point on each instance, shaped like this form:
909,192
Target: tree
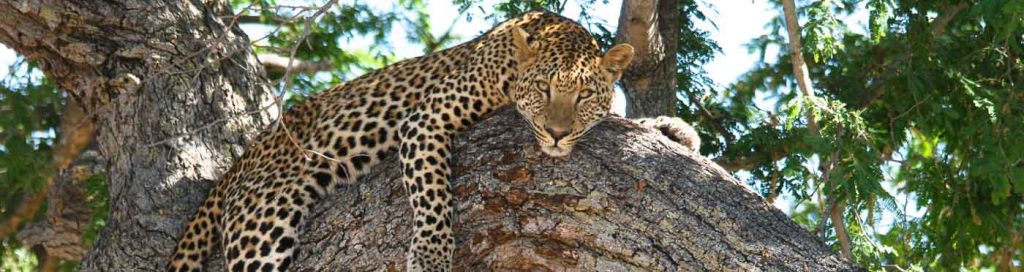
649,83
915,153
175,91
917,112
804,84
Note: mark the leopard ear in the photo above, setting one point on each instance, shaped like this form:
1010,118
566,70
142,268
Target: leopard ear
617,59
524,53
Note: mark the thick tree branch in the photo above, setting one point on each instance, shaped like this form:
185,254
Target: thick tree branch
652,28
147,70
68,213
627,198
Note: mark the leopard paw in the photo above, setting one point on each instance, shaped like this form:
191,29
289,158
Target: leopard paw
676,129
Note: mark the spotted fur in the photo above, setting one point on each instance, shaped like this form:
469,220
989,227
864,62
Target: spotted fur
548,66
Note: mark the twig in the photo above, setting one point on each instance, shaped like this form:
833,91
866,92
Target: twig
288,78
278,99
275,63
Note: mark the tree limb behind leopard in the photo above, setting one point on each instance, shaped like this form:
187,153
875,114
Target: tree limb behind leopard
549,66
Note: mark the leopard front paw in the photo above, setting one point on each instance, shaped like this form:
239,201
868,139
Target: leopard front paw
675,129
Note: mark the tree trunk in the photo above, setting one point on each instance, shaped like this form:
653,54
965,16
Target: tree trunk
175,92
652,27
627,198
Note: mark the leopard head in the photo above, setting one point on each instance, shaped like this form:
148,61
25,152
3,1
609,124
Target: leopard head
565,84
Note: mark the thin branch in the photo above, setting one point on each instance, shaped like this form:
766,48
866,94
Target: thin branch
803,79
26,210
279,99
279,64
839,225
288,68
256,19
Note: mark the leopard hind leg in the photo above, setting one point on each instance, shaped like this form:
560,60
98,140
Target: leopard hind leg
263,236
201,234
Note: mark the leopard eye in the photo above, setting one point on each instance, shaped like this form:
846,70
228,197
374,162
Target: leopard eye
545,88
586,93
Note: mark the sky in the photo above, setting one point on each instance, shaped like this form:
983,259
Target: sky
7,56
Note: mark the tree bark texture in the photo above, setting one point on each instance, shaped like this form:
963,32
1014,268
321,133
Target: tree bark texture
627,198
652,28
175,93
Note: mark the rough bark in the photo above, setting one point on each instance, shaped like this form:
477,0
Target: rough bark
149,72
652,27
627,198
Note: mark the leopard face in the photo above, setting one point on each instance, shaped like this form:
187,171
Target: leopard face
563,91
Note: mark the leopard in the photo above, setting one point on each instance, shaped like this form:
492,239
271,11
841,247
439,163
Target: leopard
550,68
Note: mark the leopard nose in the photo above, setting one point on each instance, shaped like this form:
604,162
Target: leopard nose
557,134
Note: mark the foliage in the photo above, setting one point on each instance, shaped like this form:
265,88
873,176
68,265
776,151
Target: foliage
29,111
98,198
16,259
920,106
920,115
